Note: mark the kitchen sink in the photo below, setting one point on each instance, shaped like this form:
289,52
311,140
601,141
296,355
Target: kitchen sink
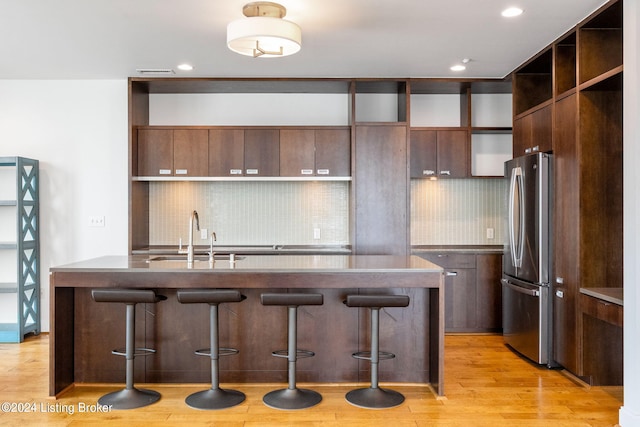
183,258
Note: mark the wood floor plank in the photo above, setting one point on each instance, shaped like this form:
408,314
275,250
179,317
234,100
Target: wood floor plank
486,384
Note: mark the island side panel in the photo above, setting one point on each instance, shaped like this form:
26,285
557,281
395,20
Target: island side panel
61,341
436,337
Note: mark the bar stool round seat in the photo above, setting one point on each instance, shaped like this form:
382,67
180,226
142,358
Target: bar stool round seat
292,397
130,397
215,397
374,397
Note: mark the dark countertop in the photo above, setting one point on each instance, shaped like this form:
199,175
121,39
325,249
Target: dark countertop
250,249
612,295
497,249
256,263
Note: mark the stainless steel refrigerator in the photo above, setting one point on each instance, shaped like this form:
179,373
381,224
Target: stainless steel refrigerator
526,288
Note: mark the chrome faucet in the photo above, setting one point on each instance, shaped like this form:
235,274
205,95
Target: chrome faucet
194,215
211,253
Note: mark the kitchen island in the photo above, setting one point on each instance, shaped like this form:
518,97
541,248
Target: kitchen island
84,332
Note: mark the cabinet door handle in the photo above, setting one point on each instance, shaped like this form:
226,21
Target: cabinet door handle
445,173
164,172
323,171
428,172
181,172
451,273
536,148
306,171
235,172
252,171
527,150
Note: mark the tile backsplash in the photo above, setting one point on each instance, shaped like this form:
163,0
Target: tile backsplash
251,213
457,211
444,212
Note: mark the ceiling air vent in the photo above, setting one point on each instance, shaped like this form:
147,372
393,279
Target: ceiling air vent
155,71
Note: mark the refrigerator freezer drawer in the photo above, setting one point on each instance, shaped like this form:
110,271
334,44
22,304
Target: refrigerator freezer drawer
524,309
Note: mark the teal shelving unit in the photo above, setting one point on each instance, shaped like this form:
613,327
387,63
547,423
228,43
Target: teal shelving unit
19,249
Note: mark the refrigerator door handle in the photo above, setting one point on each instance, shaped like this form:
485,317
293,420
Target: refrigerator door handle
530,292
516,247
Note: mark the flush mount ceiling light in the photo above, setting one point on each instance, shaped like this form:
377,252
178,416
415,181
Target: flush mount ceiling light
263,33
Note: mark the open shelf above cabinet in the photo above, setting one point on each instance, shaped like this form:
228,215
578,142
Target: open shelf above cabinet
381,101
600,43
565,64
532,83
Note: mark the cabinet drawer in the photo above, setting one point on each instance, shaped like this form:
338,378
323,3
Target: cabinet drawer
602,310
451,260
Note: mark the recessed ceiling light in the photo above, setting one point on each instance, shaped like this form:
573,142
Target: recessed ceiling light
458,67
512,12
185,67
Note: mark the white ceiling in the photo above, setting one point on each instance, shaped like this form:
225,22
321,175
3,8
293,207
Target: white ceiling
110,39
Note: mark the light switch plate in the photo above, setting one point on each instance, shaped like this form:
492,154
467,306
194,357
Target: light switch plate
490,233
96,221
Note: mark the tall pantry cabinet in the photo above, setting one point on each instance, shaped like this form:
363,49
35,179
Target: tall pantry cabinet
578,79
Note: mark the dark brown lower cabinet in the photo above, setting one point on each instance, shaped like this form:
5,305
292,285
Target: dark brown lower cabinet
601,341
489,291
473,293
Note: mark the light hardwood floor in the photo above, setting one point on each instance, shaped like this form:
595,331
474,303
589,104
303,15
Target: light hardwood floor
485,385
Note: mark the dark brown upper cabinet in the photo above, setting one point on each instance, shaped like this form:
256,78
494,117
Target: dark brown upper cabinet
226,152
262,152
172,152
244,152
439,153
315,152
532,133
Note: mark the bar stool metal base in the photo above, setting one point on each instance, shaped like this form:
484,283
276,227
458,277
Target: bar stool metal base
215,399
374,398
129,398
297,398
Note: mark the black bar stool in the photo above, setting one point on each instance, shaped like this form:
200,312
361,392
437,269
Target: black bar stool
292,397
215,397
129,397
375,397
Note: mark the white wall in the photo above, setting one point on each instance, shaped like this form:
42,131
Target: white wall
630,412
78,132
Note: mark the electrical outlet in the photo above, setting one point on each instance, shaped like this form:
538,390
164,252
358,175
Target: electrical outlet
490,233
96,221
203,234
316,234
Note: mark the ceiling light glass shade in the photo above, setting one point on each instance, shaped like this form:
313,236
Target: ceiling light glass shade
264,37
